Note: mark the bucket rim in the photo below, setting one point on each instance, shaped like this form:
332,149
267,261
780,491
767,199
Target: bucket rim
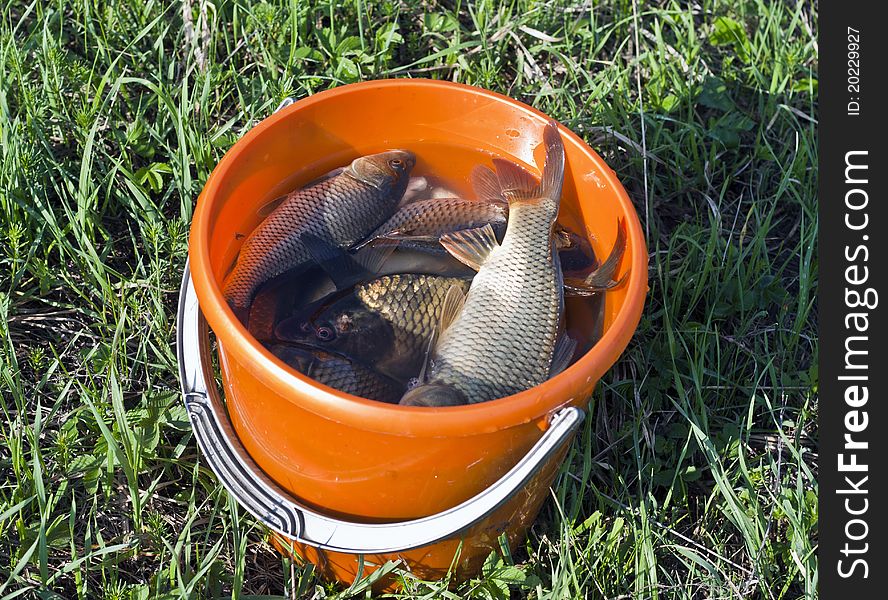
530,405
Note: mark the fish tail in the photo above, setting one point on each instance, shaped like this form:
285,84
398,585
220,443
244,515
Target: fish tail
553,171
516,184
602,278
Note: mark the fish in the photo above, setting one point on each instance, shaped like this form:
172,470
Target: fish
341,208
339,372
385,322
334,270
506,334
420,223
601,279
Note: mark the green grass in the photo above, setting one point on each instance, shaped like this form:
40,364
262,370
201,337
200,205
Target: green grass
694,475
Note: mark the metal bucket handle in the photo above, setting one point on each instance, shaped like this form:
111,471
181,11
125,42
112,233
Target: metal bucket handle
272,505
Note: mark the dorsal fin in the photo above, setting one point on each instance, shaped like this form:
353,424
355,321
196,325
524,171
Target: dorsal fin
485,184
324,177
471,246
268,208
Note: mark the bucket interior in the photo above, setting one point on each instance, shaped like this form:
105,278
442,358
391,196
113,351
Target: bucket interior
448,143
451,128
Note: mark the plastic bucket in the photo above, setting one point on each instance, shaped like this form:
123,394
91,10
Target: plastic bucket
350,482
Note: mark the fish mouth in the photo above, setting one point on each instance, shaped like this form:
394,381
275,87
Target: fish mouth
407,156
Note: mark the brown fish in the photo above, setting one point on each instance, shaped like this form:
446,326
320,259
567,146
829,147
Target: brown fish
339,372
341,209
424,221
385,323
419,224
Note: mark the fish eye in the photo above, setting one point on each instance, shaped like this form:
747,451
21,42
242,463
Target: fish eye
396,163
325,333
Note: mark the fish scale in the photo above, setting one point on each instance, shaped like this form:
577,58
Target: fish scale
412,303
437,216
502,340
340,209
521,273
385,322
339,373
358,381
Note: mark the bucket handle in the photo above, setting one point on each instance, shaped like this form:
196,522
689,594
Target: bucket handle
272,505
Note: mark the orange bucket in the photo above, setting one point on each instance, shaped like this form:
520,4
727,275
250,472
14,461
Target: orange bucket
350,483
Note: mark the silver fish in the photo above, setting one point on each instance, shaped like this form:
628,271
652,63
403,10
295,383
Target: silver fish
503,338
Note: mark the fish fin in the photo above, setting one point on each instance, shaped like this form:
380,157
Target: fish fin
398,236
339,265
324,177
553,171
268,208
515,183
454,300
374,257
576,287
451,307
471,246
601,279
396,239
485,184
427,359
564,351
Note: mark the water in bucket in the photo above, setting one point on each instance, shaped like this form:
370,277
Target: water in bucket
369,339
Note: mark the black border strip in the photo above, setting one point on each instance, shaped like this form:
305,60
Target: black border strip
852,369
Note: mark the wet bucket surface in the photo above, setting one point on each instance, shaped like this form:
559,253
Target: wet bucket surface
373,462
